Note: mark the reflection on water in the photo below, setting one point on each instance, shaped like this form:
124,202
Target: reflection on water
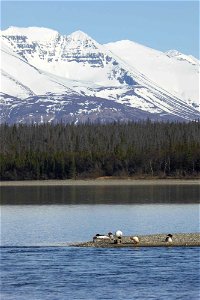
100,194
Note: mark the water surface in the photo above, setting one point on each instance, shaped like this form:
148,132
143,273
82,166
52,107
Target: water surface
68,273
24,225
36,265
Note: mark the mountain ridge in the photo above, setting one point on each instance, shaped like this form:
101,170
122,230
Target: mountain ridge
78,67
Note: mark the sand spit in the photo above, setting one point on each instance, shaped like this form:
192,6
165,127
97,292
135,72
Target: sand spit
153,240
102,182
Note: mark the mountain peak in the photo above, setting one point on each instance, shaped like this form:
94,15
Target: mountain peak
79,36
124,71
33,33
80,40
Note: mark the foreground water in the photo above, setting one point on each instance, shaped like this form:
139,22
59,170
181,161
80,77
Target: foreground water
68,273
35,264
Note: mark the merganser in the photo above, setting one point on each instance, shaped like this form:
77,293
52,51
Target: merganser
103,236
118,233
110,234
135,239
169,238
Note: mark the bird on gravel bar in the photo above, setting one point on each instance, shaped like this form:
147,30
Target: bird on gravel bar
169,238
103,237
135,239
118,233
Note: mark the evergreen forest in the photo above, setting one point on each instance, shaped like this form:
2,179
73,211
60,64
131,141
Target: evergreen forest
135,149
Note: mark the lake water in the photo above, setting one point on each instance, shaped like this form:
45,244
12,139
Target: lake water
35,265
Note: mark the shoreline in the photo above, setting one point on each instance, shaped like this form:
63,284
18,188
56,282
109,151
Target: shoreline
152,240
101,182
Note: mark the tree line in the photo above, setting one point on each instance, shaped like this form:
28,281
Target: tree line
69,151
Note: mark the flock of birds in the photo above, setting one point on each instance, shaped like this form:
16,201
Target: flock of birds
117,238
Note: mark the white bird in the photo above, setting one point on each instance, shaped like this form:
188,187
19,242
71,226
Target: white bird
135,239
118,234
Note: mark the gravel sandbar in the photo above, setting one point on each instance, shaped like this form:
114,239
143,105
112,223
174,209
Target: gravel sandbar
153,240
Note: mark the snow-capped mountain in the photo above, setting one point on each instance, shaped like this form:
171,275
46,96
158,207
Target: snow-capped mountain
175,72
75,57
47,77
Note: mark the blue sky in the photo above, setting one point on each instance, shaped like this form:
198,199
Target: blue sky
162,25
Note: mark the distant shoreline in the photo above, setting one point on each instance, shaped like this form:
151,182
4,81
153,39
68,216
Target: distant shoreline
101,182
